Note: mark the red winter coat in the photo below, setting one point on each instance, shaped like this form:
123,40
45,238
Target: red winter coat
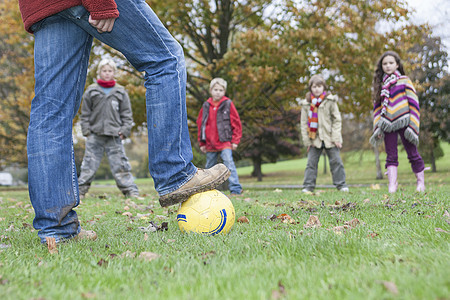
212,143
35,10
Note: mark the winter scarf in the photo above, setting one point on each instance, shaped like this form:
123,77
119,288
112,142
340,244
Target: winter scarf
398,108
106,83
313,120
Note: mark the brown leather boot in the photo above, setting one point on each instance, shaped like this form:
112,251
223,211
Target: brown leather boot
203,180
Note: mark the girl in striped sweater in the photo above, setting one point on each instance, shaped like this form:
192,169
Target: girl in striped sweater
396,112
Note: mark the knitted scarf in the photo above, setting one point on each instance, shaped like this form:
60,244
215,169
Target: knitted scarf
313,120
106,83
398,108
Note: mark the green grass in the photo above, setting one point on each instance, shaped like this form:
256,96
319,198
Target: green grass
397,242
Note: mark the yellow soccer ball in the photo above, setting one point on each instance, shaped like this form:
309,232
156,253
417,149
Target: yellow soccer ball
210,212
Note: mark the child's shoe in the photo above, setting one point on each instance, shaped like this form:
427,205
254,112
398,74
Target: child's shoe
306,191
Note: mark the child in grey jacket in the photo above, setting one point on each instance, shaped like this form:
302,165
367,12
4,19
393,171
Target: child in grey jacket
106,119
321,129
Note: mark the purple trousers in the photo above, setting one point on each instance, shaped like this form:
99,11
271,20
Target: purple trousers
390,144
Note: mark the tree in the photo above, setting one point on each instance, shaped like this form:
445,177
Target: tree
16,85
433,90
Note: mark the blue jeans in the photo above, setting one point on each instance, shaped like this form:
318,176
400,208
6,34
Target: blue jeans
62,48
227,157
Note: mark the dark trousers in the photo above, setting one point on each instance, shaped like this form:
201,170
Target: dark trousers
336,167
390,144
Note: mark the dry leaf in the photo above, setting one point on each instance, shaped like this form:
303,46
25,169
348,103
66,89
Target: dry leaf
145,236
148,256
51,245
375,186
366,201
128,214
88,295
391,287
128,253
337,202
285,218
441,230
102,263
353,223
313,222
243,219
372,235
126,208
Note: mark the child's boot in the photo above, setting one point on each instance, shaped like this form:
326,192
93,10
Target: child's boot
420,181
392,177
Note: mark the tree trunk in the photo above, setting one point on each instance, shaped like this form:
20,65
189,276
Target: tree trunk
257,168
324,162
433,160
377,162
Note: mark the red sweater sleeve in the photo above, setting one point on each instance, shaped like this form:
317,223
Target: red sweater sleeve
101,9
199,126
236,125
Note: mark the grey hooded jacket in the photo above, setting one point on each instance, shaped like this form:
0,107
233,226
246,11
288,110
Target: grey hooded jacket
106,114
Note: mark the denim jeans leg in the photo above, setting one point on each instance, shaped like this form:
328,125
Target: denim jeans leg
233,181
93,154
120,166
211,159
309,181
336,167
61,59
150,48
390,145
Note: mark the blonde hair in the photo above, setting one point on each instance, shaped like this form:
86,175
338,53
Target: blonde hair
104,62
218,81
318,80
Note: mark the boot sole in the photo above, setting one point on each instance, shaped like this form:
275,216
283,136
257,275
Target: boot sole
181,196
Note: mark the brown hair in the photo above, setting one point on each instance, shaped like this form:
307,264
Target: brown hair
378,75
318,80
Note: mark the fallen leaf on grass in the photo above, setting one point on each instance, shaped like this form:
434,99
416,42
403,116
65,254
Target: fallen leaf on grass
128,214
441,230
353,223
313,222
102,263
4,246
128,253
337,202
280,292
51,245
366,201
148,256
10,228
145,236
243,219
3,281
340,229
372,235
375,186
88,295
285,218
390,286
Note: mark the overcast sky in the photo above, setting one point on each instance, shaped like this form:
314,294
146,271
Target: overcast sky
437,14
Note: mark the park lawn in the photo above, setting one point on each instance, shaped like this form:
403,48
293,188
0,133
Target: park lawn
398,248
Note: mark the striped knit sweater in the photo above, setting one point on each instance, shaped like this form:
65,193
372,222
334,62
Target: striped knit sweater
401,110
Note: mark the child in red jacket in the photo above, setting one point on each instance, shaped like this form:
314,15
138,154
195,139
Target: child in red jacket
220,131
